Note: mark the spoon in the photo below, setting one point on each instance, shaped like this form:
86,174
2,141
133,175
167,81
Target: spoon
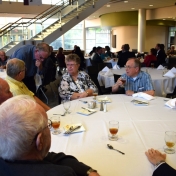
83,101
60,114
111,147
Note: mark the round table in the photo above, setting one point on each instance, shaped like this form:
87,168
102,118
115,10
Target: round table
140,128
162,85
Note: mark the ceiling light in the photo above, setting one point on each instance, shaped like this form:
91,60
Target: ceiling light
133,8
108,5
164,19
151,5
125,1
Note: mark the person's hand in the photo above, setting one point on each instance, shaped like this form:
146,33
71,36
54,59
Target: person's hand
94,174
82,95
129,92
154,156
38,63
119,82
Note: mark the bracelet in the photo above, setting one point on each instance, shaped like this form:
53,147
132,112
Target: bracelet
91,170
87,93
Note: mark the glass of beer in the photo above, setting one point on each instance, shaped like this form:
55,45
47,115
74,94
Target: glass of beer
55,122
123,81
113,130
170,140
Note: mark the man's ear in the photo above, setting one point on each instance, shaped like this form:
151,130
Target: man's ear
39,142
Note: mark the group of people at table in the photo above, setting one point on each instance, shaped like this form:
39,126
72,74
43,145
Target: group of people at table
24,118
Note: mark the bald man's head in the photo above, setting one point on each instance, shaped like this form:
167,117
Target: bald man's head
4,91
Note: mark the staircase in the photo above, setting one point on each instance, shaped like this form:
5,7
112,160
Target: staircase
63,17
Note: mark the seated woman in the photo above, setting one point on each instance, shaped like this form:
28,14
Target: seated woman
60,60
150,58
75,84
3,60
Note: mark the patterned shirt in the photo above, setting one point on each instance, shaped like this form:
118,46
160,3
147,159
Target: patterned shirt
68,86
141,83
18,88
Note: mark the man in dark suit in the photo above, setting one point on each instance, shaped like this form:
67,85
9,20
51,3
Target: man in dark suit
124,56
97,57
158,160
161,55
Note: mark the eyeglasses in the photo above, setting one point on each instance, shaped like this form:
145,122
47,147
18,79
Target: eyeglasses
71,65
128,67
48,126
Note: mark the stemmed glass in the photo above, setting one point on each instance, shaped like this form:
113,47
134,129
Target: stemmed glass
122,78
55,122
170,140
113,129
66,105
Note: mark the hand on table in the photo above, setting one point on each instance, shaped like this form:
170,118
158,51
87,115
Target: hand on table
129,92
154,156
82,95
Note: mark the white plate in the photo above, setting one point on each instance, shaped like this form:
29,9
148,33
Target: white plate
75,131
86,111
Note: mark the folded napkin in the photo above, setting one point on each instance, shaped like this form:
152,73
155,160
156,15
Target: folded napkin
105,69
173,70
108,100
143,95
160,67
169,74
171,103
116,67
109,73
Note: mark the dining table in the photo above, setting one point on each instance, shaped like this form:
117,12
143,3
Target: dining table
3,73
140,128
162,85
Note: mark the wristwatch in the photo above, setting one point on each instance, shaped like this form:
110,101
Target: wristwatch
90,170
87,93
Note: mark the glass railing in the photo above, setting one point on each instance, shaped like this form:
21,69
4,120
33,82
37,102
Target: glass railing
27,28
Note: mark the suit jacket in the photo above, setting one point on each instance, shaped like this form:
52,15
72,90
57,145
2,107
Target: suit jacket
161,56
52,165
97,59
164,170
123,57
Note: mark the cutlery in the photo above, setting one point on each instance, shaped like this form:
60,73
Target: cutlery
60,114
86,109
71,129
111,147
83,101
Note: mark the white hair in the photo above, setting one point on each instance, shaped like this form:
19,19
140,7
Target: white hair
20,121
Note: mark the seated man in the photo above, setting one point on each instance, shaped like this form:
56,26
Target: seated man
158,160
15,75
97,57
136,80
26,122
4,91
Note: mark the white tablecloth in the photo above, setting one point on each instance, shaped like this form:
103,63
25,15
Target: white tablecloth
140,128
112,61
3,73
162,85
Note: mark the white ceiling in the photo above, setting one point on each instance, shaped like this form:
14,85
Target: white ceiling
137,4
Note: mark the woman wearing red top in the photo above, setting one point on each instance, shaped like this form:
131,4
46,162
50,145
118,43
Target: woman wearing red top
150,58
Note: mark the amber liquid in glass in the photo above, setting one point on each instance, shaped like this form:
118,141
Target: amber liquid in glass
55,125
113,131
170,144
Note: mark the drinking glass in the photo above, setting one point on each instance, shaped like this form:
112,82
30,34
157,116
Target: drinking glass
95,93
152,65
170,140
55,122
66,105
113,130
123,81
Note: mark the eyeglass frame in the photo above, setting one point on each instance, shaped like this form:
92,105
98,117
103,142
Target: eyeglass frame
129,67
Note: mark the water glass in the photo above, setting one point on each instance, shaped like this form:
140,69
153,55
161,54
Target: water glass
66,105
113,130
170,140
55,122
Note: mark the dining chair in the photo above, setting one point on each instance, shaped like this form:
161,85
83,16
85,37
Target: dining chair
121,90
102,65
171,62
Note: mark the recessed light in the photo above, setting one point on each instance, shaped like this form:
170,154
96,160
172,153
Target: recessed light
151,5
164,19
108,6
125,1
133,8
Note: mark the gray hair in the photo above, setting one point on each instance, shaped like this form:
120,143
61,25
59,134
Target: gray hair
43,47
20,122
14,66
73,57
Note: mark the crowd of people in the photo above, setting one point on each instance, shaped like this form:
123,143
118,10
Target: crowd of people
27,119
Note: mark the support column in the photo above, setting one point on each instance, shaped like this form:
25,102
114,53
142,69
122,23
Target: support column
84,37
141,29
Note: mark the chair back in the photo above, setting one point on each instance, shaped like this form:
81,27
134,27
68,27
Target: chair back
171,62
116,77
102,65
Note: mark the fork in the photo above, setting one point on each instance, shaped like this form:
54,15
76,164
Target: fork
71,129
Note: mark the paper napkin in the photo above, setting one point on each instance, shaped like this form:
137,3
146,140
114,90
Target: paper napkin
173,70
171,103
169,74
143,95
109,73
86,111
160,67
116,67
67,127
105,69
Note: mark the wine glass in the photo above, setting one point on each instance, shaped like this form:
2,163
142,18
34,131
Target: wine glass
66,105
123,79
113,130
170,140
55,122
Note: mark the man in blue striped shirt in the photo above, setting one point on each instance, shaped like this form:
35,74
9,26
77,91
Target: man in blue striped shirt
136,80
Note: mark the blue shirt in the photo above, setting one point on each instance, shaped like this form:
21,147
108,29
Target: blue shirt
142,82
26,53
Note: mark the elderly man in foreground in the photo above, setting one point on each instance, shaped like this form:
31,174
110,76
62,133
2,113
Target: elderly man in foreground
15,75
25,141
136,80
4,91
